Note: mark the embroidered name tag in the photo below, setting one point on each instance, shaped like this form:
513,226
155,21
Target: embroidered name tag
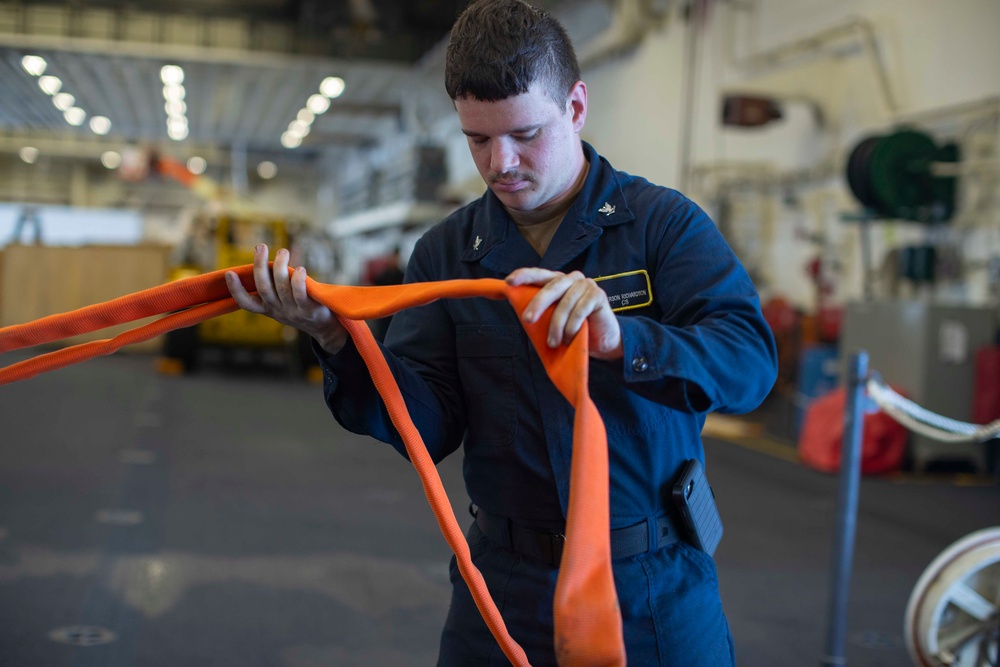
627,290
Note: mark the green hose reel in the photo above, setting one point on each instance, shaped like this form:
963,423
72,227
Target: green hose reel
892,176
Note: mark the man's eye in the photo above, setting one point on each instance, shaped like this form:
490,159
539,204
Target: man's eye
526,137
479,141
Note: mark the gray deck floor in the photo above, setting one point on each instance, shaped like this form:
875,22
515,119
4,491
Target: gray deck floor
257,532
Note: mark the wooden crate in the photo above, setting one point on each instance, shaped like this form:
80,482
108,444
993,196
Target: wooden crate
36,281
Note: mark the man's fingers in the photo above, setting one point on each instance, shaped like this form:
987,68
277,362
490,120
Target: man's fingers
592,300
298,286
243,299
531,276
563,313
553,290
262,277
580,299
282,286
573,308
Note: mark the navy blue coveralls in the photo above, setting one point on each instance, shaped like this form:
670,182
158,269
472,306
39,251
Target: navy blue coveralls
696,343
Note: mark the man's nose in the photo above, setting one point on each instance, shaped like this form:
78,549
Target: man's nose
503,157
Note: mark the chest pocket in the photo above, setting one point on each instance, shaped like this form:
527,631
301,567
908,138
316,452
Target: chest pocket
486,356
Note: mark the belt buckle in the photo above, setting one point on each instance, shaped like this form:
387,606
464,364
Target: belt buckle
551,547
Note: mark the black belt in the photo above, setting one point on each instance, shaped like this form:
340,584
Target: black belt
548,546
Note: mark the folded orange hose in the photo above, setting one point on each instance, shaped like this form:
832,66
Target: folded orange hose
588,628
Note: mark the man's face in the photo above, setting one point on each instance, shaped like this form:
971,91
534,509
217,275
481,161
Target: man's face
526,147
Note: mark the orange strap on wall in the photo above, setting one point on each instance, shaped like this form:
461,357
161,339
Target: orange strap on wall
588,628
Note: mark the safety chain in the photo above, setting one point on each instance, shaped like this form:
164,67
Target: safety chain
923,421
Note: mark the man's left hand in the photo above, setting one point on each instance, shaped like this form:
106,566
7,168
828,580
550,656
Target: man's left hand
578,299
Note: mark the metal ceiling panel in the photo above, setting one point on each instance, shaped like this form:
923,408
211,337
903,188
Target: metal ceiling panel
227,103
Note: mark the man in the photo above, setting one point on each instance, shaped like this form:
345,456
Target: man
675,331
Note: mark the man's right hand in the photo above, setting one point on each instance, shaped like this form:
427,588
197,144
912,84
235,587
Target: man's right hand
284,298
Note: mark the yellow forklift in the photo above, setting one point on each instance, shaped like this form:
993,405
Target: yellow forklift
223,240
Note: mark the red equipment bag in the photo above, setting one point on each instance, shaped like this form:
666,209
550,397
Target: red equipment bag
883,440
986,402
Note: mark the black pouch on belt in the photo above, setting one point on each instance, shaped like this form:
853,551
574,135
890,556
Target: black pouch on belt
695,503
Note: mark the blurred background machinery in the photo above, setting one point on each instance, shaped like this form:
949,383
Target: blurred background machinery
222,240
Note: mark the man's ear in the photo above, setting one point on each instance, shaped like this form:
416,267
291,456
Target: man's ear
577,102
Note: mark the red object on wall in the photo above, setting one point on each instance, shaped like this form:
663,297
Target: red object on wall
883,440
780,315
830,318
986,401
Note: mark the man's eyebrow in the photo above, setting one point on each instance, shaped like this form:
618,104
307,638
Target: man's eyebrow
516,130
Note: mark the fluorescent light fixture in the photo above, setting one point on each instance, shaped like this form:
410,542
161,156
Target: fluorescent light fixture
100,124
177,123
172,74
50,84
267,169
305,116
175,108
317,104
332,86
173,92
34,65
177,133
197,165
75,116
111,159
63,101
29,154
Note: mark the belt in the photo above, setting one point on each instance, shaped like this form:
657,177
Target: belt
548,546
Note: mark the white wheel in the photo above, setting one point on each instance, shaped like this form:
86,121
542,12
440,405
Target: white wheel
952,619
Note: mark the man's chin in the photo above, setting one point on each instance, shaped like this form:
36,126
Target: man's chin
515,201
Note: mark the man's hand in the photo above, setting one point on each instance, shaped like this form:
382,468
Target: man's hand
284,299
579,299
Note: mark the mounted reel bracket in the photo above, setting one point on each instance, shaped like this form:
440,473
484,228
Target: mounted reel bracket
893,176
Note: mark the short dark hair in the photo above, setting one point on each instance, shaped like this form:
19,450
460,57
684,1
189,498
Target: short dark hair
499,48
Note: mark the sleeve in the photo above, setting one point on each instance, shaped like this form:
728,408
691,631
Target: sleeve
420,350
711,350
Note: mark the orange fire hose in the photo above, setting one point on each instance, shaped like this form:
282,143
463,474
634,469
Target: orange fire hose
588,627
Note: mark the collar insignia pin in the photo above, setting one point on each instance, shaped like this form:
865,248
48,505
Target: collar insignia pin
475,246
607,209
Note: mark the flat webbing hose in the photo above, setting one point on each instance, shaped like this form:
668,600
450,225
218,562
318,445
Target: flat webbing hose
588,628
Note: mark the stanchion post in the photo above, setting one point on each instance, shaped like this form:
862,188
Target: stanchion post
847,510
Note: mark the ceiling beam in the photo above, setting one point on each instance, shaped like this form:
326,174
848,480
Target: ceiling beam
181,53
50,144
190,35
317,139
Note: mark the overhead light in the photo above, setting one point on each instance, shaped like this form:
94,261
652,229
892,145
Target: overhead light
50,84
63,101
111,159
100,124
332,86
173,92
267,169
175,108
75,115
317,104
34,65
177,123
29,154
177,132
299,128
305,116
197,165
172,74
289,140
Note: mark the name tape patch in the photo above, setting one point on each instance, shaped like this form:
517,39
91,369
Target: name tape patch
628,290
